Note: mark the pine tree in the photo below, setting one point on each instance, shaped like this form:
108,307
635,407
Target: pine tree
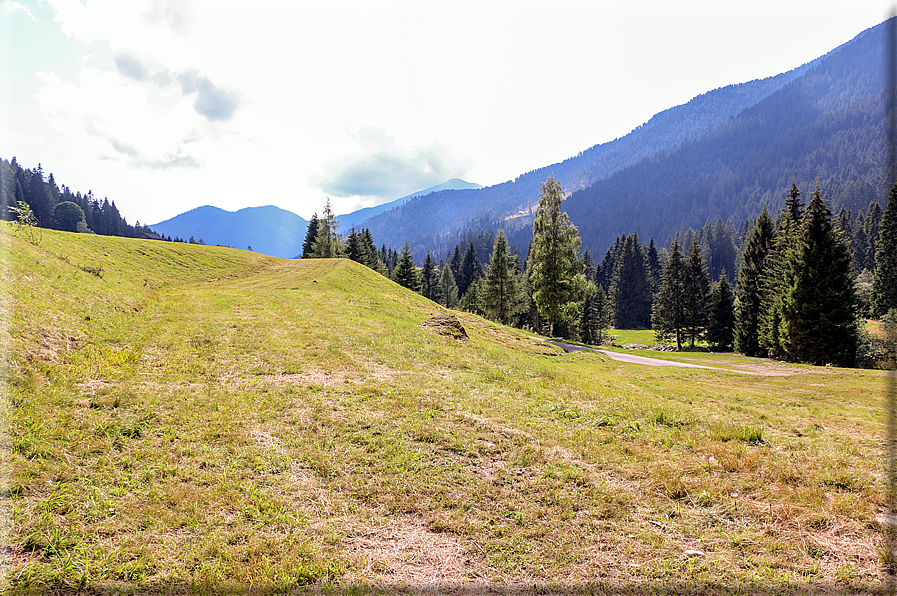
428,280
697,293
588,265
557,278
750,287
327,244
721,320
655,271
668,312
405,273
884,281
448,288
818,322
873,231
500,295
774,276
308,246
630,289
471,269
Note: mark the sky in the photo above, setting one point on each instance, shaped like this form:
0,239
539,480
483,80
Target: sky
167,105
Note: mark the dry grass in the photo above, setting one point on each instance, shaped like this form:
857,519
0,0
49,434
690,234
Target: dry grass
242,421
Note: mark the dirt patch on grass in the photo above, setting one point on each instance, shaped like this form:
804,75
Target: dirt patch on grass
316,376
404,552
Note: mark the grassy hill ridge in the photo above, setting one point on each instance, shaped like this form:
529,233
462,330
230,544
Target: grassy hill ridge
185,417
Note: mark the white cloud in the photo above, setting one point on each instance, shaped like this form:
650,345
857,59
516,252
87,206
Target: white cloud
12,7
384,169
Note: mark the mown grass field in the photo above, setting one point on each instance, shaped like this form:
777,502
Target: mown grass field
195,418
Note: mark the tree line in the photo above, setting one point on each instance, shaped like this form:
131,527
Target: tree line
57,207
783,286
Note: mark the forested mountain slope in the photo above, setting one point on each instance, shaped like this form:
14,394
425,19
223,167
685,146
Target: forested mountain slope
722,154
421,221
827,125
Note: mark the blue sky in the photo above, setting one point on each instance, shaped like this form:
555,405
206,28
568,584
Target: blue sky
166,105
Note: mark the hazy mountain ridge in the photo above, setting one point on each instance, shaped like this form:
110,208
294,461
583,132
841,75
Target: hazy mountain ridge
269,230
355,218
420,221
827,125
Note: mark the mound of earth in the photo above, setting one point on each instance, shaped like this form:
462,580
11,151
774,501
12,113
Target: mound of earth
448,325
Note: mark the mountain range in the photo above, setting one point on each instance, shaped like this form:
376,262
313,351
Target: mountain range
722,155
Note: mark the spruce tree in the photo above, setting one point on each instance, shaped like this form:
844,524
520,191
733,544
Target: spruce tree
774,275
448,288
750,284
470,270
697,292
428,280
327,244
668,312
405,273
630,289
884,280
500,296
655,271
721,320
818,315
557,278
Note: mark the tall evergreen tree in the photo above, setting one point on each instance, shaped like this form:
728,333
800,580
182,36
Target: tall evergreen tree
721,320
655,271
818,323
405,273
697,293
884,281
500,295
429,282
668,312
873,232
327,244
774,275
557,278
630,290
750,284
471,269
448,289
595,317
308,246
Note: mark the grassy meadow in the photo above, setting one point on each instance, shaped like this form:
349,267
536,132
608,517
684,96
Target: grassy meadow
183,418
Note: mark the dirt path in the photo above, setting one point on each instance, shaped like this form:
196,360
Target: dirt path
633,359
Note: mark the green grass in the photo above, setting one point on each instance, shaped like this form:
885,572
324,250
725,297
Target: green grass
200,418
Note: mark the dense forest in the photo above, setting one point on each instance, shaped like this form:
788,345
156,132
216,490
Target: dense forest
56,207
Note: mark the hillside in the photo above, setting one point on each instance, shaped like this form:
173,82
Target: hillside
446,213
269,230
722,154
826,125
191,418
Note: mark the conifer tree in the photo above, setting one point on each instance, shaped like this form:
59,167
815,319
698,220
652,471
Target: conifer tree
773,281
500,295
655,271
818,316
557,278
405,273
630,289
721,320
873,232
750,284
308,246
327,244
595,318
588,265
668,312
448,288
884,281
471,269
428,280
697,292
